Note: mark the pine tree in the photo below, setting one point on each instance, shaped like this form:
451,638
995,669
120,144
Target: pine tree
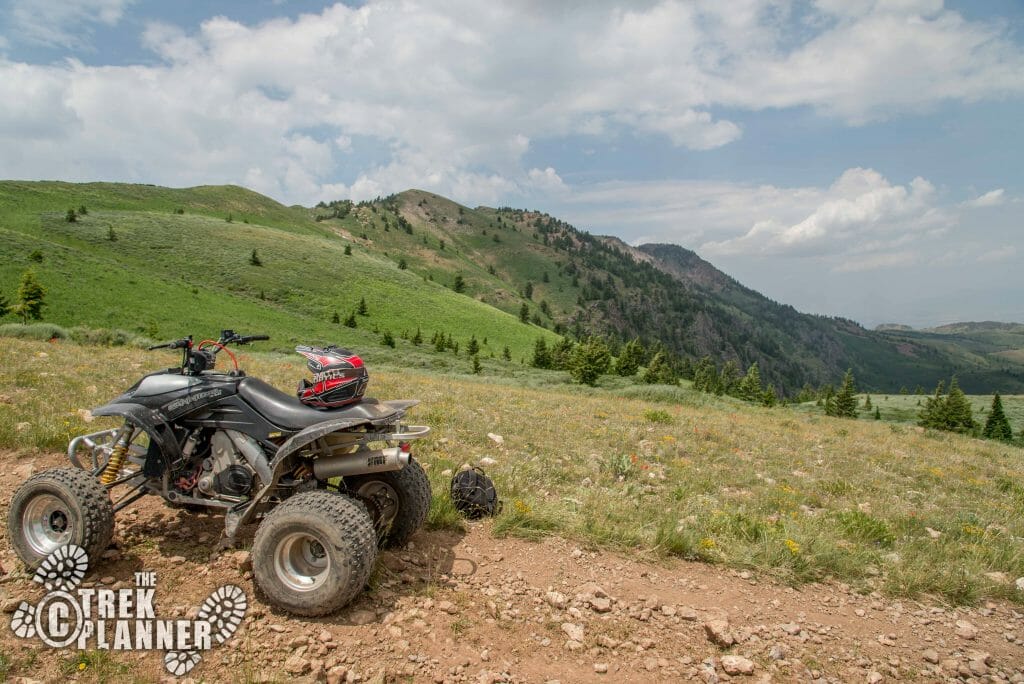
750,387
846,399
473,347
417,339
768,398
31,298
524,313
254,259
997,426
705,376
362,309
335,318
459,285
590,360
630,358
476,365
878,414
71,216
729,380
350,322
959,415
867,402
658,371
541,355
933,415
561,354
506,353
830,401
5,306
348,250
388,339
528,290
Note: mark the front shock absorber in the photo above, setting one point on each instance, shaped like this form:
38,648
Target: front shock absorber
118,455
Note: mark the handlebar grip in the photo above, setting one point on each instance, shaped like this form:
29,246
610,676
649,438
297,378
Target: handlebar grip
246,339
158,346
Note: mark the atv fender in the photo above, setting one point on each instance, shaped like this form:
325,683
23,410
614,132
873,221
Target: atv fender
155,426
310,435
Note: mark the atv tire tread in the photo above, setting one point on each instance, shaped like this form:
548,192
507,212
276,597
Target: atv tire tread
413,489
345,525
78,488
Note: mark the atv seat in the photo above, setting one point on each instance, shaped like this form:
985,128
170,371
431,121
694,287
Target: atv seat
288,413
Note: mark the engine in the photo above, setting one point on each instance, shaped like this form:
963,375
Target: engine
226,471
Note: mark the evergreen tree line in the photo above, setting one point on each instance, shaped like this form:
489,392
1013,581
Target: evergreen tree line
951,411
708,378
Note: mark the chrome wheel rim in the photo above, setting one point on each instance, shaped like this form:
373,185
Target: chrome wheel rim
301,562
46,524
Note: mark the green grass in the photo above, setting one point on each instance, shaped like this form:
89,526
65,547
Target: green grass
170,274
790,494
906,408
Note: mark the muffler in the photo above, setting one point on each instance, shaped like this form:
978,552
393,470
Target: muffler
360,463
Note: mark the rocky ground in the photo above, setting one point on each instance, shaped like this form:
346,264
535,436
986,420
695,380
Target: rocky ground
465,607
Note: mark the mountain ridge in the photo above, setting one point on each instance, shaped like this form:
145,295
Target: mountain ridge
518,263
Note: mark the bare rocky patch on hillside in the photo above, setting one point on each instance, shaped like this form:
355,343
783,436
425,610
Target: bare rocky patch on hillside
466,607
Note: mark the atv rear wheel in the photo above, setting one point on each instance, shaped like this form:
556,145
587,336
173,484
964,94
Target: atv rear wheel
58,507
398,501
314,553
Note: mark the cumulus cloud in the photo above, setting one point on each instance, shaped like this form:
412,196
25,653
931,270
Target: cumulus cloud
63,23
453,95
861,222
860,205
992,198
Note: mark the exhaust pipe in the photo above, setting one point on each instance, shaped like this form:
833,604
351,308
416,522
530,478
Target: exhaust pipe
360,463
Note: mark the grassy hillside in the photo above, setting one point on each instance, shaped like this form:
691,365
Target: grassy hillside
796,496
167,273
161,262
906,408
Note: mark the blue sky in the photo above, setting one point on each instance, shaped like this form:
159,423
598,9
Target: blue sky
860,158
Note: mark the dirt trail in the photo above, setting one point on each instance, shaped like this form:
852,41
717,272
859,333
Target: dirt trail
471,608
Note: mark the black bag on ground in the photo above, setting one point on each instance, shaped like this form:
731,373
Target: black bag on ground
473,494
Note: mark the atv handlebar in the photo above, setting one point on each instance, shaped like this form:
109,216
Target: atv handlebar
183,343
226,337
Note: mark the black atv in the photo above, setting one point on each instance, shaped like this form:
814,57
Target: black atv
330,484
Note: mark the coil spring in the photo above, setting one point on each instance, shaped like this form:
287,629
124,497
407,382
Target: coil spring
113,467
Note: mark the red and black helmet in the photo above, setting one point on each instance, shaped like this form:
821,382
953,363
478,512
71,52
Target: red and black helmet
339,377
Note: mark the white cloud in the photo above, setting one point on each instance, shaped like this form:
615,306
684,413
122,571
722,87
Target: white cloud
999,254
992,198
455,94
64,23
546,181
861,204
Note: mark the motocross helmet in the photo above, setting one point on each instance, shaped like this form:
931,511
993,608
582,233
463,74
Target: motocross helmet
339,377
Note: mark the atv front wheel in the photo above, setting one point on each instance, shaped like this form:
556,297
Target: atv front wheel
398,501
314,553
58,507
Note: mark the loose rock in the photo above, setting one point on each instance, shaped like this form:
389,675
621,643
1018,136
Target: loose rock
735,665
718,633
